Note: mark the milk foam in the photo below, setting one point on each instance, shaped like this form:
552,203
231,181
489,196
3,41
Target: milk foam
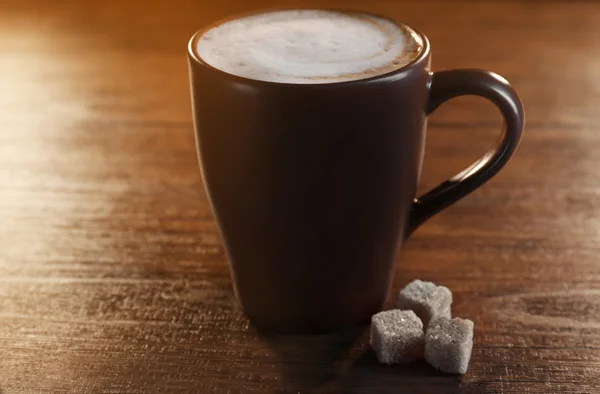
308,46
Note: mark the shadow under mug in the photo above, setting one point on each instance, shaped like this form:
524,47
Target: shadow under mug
313,186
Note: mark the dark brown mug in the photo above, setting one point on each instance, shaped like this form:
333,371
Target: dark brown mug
312,204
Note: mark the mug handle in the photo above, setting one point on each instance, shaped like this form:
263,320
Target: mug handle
445,85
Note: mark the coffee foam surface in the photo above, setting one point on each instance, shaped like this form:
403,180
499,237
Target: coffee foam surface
308,46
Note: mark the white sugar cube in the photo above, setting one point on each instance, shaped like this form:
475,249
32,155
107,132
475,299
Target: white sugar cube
426,299
397,336
448,344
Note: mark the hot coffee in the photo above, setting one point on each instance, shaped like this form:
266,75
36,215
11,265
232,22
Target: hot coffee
314,184
309,46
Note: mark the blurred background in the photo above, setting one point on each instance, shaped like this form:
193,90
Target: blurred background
78,72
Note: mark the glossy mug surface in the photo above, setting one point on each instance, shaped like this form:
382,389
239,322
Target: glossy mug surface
311,147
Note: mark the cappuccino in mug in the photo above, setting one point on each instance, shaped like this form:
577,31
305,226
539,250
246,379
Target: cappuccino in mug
309,46
310,128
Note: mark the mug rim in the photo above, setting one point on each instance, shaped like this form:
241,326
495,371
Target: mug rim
394,74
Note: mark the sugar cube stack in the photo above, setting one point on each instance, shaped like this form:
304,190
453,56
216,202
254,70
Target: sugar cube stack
397,336
426,299
448,344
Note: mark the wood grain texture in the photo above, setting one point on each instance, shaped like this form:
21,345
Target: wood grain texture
113,278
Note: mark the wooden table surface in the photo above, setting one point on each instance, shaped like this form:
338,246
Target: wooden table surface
113,277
